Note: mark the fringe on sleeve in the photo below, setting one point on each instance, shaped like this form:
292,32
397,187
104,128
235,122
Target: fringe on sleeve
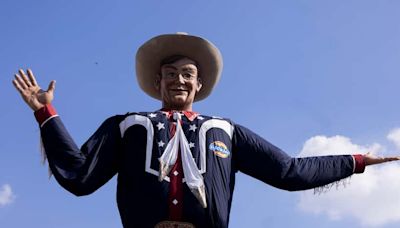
43,157
337,184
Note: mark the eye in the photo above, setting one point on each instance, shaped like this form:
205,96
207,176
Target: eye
187,76
170,75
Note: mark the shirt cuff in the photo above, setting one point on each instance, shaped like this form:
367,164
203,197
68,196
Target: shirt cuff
45,113
359,163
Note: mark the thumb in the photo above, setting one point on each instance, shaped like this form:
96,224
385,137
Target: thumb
52,87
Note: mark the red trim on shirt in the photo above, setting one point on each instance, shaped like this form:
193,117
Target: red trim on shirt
190,115
175,195
359,163
45,113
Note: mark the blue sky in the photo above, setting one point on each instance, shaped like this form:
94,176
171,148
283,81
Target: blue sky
293,70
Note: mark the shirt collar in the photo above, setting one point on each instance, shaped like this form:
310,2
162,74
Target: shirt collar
189,114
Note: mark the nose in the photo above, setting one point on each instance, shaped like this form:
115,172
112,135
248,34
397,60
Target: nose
181,79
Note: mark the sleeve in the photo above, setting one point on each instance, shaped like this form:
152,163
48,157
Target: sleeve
80,171
264,161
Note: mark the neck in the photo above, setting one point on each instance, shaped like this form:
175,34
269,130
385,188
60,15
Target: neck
178,108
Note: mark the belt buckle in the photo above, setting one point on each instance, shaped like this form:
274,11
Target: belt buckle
174,224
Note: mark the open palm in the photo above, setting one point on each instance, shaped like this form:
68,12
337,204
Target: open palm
371,159
31,92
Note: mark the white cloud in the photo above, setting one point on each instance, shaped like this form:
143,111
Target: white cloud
6,195
336,145
372,198
394,136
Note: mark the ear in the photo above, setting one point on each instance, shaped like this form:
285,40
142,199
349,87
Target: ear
199,84
157,82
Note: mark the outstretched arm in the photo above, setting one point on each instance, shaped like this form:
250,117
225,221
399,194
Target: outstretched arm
80,171
260,159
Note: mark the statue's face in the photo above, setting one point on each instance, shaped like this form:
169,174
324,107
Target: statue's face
178,84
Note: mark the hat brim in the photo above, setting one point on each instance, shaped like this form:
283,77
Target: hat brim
203,52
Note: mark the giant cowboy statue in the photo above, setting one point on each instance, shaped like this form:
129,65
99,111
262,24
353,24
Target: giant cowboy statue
176,167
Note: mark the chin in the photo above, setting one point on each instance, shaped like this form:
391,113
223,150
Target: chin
179,99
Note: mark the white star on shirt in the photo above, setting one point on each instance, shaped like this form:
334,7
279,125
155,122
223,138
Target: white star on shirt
152,115
161,143
160,126
191,145
200,118
192,127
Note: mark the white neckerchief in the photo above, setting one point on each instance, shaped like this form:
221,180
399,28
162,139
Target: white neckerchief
194,179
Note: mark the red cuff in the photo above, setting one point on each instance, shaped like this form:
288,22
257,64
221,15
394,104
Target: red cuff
359,163
45,113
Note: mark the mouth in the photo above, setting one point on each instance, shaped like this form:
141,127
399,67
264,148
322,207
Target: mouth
179,90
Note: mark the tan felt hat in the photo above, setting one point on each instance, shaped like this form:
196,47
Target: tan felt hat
151,53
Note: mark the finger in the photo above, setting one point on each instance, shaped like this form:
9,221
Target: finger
389,159
20,81
17,86
52,86
394,158
25,78
31,77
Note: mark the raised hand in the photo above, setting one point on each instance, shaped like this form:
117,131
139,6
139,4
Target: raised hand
371,159
31,92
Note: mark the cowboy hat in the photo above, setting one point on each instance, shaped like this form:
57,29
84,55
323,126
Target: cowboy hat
202,51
